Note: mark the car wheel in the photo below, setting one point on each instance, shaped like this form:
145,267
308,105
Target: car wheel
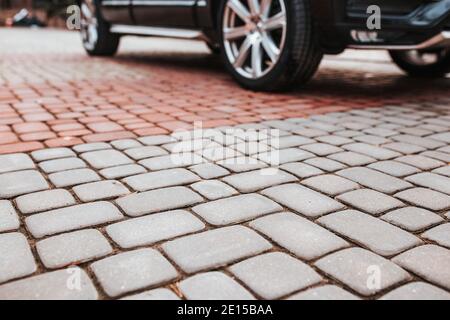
269,45
425,63
97,40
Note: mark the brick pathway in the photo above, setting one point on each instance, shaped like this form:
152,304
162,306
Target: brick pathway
358,208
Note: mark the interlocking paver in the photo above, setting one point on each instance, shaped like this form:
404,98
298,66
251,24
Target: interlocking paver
300,236
334,140
321,149
301,170
439,234
88,147
419,141
8,217
425,198
44,200
172,161
242,164
122,171
404,148
285,155
15,162
275,274
432,181
145,152
125,144
374,179
290,141
213,189
370,201
375,234
437,155
73,177
209,170
326,164
330,184
236,209
421,162
72,218
354,266
153,228
50,286
214,248
156,140
327,292
256,180
52,153
417,291
102,190
51,166
16,258
133,270
303,200
158,200
106,158
430,262
161,179
394,168
412,218
14,184
351,159
213,286
155,294
74,247
371,151
444,137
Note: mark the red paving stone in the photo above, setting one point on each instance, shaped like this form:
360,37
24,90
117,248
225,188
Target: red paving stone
55,95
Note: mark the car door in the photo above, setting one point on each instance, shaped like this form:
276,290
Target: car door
116,11
164,13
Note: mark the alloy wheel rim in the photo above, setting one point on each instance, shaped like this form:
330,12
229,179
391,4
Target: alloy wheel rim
254,35
89,24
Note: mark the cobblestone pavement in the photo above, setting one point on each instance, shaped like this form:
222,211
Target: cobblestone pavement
359,207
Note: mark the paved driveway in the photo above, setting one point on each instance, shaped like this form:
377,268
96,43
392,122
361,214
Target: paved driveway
338,191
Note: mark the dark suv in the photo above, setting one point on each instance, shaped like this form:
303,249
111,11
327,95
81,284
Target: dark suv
275,44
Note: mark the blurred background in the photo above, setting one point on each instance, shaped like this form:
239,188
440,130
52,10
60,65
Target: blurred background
33,13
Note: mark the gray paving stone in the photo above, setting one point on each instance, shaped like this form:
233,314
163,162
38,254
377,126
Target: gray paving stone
330,184
125,144
122,171
303,200
88,147
74,247
52,153
44,200
372,140
50,286
444,137
429,262
321,149
354,267
417,291
425,198
439,234
415,131
190,145
165,199
17,260
155,294
257,180
73,177
301,170
441,156
15,162
327,292
106,158
153,228
284,156
51,166
375,234
412,218
8,217
101,190
274,275
374,179
310,133
421,162
381,132
351,159
213,286
161,179
214,248
347,133
242,164
326,164
156,140
290,142
334,140
145,152
213,189
209,170
419,141
236,209
432,181
404,148
370,201
72,218
394,168
247,148
133,270
300,236
322,126
371,151
172,161
14,184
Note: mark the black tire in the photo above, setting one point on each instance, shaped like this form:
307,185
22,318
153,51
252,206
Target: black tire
299,59
214,48
440,68
106,43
